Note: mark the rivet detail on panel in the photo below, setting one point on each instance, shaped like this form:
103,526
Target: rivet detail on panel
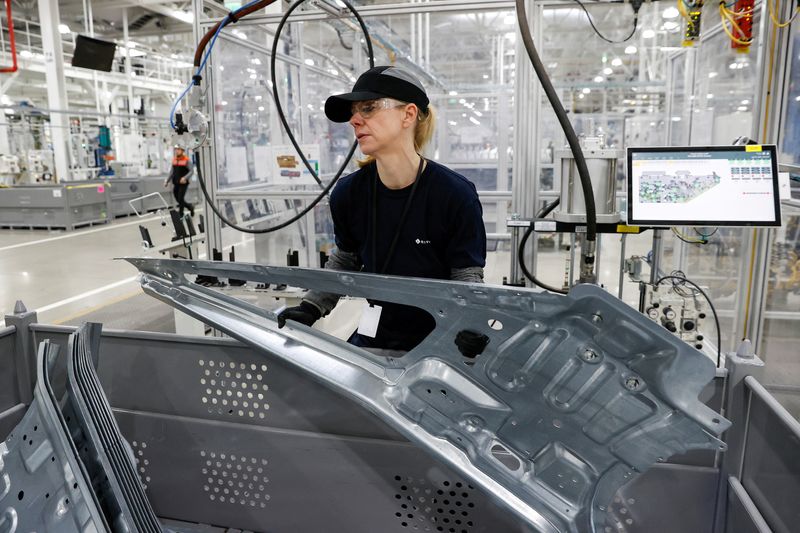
235,479
234,389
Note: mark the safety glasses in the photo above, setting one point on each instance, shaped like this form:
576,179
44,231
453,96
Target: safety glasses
369,108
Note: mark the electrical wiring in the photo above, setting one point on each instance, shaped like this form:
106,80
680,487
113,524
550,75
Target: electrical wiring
684,280
521,251
282,117
774,17
341,39
706,235
687,239
679,286
730,16
606,39
737,14
682,5
730,35
201,64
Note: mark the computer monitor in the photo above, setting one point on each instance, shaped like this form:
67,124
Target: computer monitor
703,186
93,53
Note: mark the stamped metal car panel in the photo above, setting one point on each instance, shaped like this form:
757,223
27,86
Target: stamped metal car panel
66,468
572,397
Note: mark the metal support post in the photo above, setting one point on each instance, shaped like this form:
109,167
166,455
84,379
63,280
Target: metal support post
655,261
736,407
24,350
757,278
513,275
128,69
622,242
56,86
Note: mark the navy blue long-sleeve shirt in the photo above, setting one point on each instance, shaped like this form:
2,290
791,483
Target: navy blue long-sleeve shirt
443,231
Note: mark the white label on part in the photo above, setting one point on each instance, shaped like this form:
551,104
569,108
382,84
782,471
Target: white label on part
784,186
370,316
56,193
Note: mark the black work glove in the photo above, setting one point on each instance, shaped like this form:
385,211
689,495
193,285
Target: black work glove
470,343
305,313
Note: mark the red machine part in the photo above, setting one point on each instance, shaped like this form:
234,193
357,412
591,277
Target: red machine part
12,40
744,19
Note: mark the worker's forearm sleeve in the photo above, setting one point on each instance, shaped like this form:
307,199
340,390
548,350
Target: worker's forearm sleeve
338,260
473,274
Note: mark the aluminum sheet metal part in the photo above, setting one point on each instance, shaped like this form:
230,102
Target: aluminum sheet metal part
66,468
573,396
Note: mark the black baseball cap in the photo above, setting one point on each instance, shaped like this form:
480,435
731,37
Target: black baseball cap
378,82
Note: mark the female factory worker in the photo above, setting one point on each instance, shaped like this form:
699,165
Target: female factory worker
179,177
399,214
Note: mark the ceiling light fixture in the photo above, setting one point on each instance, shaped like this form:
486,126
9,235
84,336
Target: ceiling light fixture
671,13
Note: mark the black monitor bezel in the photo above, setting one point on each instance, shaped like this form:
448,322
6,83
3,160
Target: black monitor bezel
88,52
631,221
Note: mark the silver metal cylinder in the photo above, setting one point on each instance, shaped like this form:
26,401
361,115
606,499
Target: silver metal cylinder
602,164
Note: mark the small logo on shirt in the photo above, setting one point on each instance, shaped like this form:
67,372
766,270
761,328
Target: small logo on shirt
420,241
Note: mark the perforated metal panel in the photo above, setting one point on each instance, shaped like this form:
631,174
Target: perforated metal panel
142,463
234,389
265,479
235,479
435,505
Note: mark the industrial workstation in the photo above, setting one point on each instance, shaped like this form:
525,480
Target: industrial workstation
364,266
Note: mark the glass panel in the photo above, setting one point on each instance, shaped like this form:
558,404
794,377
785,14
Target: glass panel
712,104
615,90
724,91
717,267
465,61
790,135
781,334
771,472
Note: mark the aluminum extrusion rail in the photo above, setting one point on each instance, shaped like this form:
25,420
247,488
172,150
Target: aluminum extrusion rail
573,396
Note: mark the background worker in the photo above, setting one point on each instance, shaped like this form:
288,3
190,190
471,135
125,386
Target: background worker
180,176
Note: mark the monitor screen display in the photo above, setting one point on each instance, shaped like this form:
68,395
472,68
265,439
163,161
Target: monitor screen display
703,186
93,53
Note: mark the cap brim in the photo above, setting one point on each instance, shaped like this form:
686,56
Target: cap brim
338,106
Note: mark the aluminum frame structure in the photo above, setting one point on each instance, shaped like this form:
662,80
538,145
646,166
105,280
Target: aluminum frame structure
572,397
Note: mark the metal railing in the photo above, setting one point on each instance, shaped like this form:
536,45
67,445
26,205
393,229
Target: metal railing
769,470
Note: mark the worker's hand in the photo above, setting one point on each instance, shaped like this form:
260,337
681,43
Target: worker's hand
166,184
305,313
184,181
